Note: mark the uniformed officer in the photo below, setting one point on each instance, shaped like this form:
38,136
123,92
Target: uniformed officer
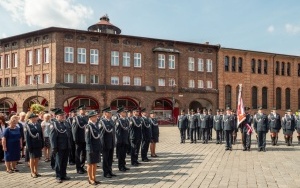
188,131
146,135
72,114
228,126
93,146
204,124
129,115
288,124
235,128
210,124
246,130
198,127
222,132
60,143
53,119
154,134
261,128
135,132
217,124
182,124
78,129
107,140
122,127
193,123
297,122
274,121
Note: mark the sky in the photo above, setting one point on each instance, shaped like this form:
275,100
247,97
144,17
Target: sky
258,25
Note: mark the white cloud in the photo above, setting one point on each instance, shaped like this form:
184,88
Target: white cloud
271,29
3,35
292,29
46,13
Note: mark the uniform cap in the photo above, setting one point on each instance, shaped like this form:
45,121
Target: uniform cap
92,113
151,112
288,110
53,109
259,108
192,110
246,108
136,109
72,110
218,110
32,115
81,107
108,109
122,109
182,110
228,108
143,110
59,112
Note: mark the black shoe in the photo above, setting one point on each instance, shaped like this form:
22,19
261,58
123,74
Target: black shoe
192,142
230,149
122,169
66,178
244,149
97,182
226,149
126,168
134,164
107,176
138,163
84,170
112,174
80,172
71,163
145,160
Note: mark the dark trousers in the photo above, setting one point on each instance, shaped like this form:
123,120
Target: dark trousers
107,155
246,140
182,134
61,161
205,134
228,135
1,152
144,149
193,134
52,162
135,149
188,133
210,133
199,133
219,136
261,141
72,151
80,155
121,148
128,150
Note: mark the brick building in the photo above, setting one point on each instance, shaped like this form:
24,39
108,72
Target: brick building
60,67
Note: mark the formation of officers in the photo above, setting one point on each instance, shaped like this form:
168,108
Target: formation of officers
83,138
198,126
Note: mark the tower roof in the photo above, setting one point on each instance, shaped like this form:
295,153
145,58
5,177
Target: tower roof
104,26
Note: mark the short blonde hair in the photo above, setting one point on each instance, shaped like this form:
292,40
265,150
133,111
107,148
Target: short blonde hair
22,114
47,116
14,118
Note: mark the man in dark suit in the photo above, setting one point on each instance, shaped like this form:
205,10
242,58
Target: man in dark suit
261,128
182,125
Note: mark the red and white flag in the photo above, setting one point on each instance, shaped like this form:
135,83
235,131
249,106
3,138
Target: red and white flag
241,116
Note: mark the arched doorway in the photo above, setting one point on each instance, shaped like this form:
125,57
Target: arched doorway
166,110
73,102
200,104
127,102
35,100
7,105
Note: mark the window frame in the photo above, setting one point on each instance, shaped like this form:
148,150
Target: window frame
94,56
114,58
69,55
191,64
161,61
137,61
81,55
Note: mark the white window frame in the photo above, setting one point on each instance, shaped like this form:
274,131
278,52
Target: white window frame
114,58
137,81
209,84
29,79
68,78
161,82
200,84
29,58
81,78
172,82
46,55
94,56
1,61
93,79
6,82
126,59
37,56
191,64
172,62
126,80
14,60
209,65
114,80
46,79
7,61
200,65
81,55
191,83
38,80
161,61
137,60
69,55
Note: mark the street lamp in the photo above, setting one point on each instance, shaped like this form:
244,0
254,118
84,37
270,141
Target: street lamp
36,80
173,103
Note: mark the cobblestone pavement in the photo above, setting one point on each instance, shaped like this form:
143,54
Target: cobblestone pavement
185,165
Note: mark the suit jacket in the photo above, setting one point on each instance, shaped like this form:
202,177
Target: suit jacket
59,135
260,122
92,137
107,133
182,122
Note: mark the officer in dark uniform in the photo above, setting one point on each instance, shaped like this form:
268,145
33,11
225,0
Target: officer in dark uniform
228,126
274,121
235,128
198,128
122,126
146,135
78,129
297,122
246,130
288,124
222,132
135,136
72,150
204,123
261,128
60,143
182,124
210,124
129,115
107,140
53,119
193,123
217,124
93,146
154,134
188,131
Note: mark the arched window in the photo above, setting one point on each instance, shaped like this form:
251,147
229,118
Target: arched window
240,64
226,63
264,101
237,95
278,98
227,96
233,62
277,67
265,67
287,98
259,66
253,65
254,97
288,69
282,68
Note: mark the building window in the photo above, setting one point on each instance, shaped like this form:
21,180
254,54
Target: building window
171,61
278,98
254,97
172,82
277,68
209,65
200,84
46,55
126,80
209,84
94,60
14,60
7,61
299,69
288,69
29,80
240,64
1,85
94,79
69,78
69,54
253,65
81,55
282,68
191,83
1,62
264,101
137,81
200,65
233,62
226,63
114,58
37,79
114,80
126,59
29,58
228,96
14,81
81,79
6,82
46,79
287,98
161,82
137,60
259,66
161,61
37,56
191,64
265,67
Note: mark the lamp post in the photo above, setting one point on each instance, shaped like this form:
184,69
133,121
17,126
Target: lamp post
173,103
36,80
